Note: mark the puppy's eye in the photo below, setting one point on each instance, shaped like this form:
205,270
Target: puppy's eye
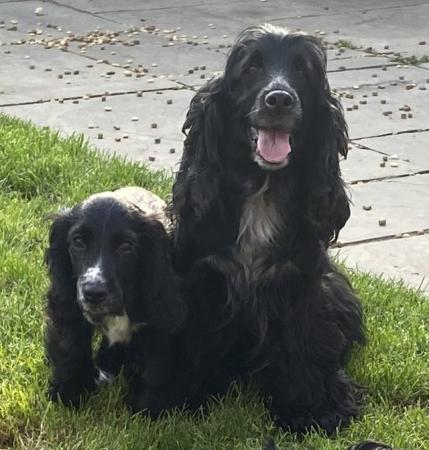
77,243
126,247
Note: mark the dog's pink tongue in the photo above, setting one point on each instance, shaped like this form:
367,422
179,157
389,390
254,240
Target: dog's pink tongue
273,145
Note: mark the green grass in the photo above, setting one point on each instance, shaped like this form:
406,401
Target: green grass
410,60
345,43
40,172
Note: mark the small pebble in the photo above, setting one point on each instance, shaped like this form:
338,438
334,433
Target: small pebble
134,119
394,165
91,126
403,115
385,158
172,150
60,75
116,127
410,86
367,207
103,99
410,116
151,158
108,108
375,94
157,140
38,11
387,113
139,94
100,136
383,101
32,67
384,69
202,67
386,47
169,101
401,77
125,136
383,164
422,43
75,102
355,106
117,139
191,71
382,222
363,102
154,125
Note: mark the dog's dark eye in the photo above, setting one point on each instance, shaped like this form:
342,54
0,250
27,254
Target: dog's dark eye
255,64
126,247
77,243
299,63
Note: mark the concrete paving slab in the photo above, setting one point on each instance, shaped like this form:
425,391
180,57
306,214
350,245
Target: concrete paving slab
402,202
347,79
136,118
59,18
362,164
79,76
412,148
179,61
399,26
404,259
370,120
356,60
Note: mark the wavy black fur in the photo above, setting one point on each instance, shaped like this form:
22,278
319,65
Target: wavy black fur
251,237
129,265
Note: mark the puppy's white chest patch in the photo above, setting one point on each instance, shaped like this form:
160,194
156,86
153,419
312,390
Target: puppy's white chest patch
118,329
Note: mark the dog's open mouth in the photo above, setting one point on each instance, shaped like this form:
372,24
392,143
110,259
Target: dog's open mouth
272,145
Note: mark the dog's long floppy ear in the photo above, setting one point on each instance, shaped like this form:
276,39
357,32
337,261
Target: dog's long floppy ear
330,135
197,183
58,259
164,308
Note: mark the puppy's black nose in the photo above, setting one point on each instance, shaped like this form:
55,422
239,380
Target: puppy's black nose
95,292
279,100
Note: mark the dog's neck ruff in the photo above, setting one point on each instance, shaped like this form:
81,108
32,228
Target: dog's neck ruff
259,224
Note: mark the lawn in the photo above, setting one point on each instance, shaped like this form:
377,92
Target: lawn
40,172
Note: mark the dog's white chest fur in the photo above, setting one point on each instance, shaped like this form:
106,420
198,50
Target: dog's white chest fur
118,329
259,223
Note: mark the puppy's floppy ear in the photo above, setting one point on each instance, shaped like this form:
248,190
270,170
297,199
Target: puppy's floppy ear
57,256
197,183
165,308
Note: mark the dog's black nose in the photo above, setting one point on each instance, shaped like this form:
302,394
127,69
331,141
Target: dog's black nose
95,293
279,100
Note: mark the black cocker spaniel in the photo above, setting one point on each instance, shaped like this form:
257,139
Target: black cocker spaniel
258,198
110,269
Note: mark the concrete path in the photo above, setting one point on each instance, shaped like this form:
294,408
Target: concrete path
123,73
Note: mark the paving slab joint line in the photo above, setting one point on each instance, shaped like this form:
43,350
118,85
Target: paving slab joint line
415,130
376,66
387,237
389,177
91,96
83,11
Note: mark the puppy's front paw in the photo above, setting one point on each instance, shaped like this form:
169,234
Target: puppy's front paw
70,393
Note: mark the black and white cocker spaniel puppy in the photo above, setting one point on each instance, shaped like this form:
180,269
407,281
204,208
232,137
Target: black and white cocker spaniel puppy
110,270
257,200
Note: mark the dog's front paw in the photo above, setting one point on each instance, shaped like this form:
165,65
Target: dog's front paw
104,377
70,393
